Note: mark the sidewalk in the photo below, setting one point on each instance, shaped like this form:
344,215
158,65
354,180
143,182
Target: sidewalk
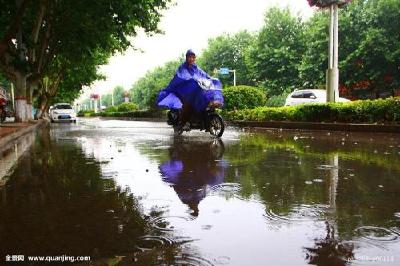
10,131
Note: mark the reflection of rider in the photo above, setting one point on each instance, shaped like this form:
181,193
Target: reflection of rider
190,176
190,69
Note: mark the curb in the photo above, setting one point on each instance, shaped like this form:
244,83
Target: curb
15,135
320,126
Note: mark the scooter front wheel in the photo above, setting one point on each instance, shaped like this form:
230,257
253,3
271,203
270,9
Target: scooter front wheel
216,125
178,130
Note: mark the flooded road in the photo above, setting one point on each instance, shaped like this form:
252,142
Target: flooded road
129,193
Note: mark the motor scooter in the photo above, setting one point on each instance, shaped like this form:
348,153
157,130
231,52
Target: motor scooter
208,120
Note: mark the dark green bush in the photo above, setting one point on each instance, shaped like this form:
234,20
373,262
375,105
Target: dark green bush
111,109
366,111
276,100
86,113
243,97
135,114
127,107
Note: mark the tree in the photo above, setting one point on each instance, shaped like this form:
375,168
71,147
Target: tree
49,29
315,57
145,90
369,52
228,51
275,57
119,95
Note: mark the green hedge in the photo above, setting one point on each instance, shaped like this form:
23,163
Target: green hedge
87,113
243,97
362,111
135,114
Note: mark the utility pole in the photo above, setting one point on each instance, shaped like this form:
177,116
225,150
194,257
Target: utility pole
332,73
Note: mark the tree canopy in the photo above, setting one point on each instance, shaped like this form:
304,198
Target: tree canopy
56,37
228,51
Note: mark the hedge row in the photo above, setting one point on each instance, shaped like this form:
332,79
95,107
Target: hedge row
362,111
133,114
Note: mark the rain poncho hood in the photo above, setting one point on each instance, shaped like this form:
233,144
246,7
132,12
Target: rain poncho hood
193,86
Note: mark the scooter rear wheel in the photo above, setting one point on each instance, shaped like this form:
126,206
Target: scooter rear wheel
216,125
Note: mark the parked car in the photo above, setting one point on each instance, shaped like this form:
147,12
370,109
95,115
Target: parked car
62,112
309,96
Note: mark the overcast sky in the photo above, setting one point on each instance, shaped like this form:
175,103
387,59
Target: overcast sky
188,24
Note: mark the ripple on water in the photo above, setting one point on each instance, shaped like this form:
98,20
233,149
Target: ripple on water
155,241
189,259
149,242
164,223
397,214
326,167
227,187
377,233
299,213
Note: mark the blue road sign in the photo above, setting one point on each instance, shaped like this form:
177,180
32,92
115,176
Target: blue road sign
224,71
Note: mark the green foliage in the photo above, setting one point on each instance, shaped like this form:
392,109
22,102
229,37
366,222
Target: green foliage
228,51
275,56
119,95
87,113
369,49
243,97
73,39
315,57
276,100
127,107
111,109
363,111
134,114
145,90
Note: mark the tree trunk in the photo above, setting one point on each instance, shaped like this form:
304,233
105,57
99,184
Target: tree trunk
43,105
29,103
20,97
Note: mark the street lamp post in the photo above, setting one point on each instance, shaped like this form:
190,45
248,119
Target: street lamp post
332,73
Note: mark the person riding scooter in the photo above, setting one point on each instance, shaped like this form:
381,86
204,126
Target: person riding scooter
190,92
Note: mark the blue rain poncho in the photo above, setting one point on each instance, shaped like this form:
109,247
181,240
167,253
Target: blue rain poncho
192,86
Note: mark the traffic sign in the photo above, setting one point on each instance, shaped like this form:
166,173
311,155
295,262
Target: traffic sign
224,71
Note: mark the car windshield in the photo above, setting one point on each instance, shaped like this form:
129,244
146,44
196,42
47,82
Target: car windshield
63,106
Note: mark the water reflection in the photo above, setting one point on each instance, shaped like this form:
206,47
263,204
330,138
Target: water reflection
353,190
10,153
57,203
278,198
330,250
192,178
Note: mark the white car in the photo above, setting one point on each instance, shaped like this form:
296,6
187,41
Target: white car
62,112
309,96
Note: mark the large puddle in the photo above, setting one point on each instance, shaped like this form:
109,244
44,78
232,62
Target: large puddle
129,193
